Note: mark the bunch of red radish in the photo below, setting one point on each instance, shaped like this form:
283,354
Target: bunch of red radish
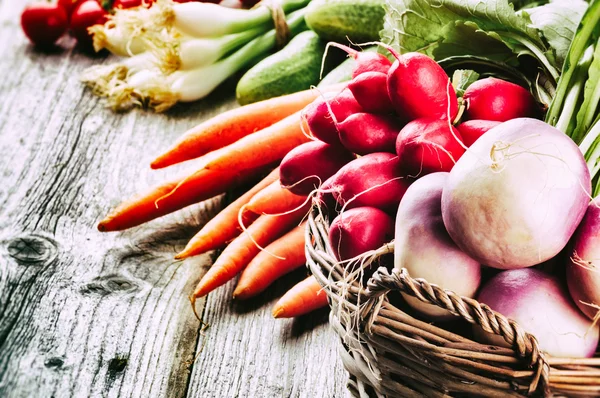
400,120
44,22
518,192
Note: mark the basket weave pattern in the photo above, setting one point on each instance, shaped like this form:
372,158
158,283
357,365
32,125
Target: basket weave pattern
389,353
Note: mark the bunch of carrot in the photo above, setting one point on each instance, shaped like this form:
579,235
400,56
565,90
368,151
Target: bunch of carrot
262,231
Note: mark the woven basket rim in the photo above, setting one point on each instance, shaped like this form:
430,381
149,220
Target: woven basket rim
546,371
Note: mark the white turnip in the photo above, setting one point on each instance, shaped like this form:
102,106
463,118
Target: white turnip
516,196
422,245
541,305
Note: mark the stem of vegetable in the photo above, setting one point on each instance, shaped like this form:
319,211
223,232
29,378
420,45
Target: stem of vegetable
197,53
589,25
566,120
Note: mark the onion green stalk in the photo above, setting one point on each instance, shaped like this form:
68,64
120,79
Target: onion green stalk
195,53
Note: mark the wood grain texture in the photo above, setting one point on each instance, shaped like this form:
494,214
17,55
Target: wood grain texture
107,315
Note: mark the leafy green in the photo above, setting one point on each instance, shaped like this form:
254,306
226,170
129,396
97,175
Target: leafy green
462,79
587,33
557,21
591,98
442,28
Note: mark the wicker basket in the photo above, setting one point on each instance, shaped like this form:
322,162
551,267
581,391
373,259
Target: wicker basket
389,353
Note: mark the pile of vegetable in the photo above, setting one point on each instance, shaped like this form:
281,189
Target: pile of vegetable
475,150
44,22
174,52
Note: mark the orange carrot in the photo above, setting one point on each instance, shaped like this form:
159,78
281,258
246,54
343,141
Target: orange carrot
243,249
303,298
171,196
234,124
264,269
224,226
274,199
263,147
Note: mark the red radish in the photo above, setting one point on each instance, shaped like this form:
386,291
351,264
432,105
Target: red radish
422,245
515,198
428,145
366,61
583,269
125,4
86,14
325,198
364,133
307,166
499,100
471,130
541,305
419,87
370,91
320,120
359,230
44,23
371,180
69,5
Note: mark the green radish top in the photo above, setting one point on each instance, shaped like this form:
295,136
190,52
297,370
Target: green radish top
341,20
294,68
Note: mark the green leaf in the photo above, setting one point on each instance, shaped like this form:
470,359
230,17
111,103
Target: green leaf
587,33
558,22
442,28
591,98
462,79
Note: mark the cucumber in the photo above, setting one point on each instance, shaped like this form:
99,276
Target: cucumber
343,72
341,20
294,68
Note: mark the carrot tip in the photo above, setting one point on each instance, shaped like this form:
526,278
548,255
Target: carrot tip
181,255
240,293
279,312
102,226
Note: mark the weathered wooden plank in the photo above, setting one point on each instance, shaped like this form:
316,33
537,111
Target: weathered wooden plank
90,314
259,356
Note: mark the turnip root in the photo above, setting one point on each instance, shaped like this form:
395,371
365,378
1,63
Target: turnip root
583,269
541,305
425,249
516,196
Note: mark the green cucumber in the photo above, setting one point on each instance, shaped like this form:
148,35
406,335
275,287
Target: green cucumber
359,21
294,68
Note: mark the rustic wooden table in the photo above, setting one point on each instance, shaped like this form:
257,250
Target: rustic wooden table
90,314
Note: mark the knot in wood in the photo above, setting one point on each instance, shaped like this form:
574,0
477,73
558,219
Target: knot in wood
108,284
32,249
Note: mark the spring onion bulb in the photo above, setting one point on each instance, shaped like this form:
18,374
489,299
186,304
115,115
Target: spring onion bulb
196,53
160,92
